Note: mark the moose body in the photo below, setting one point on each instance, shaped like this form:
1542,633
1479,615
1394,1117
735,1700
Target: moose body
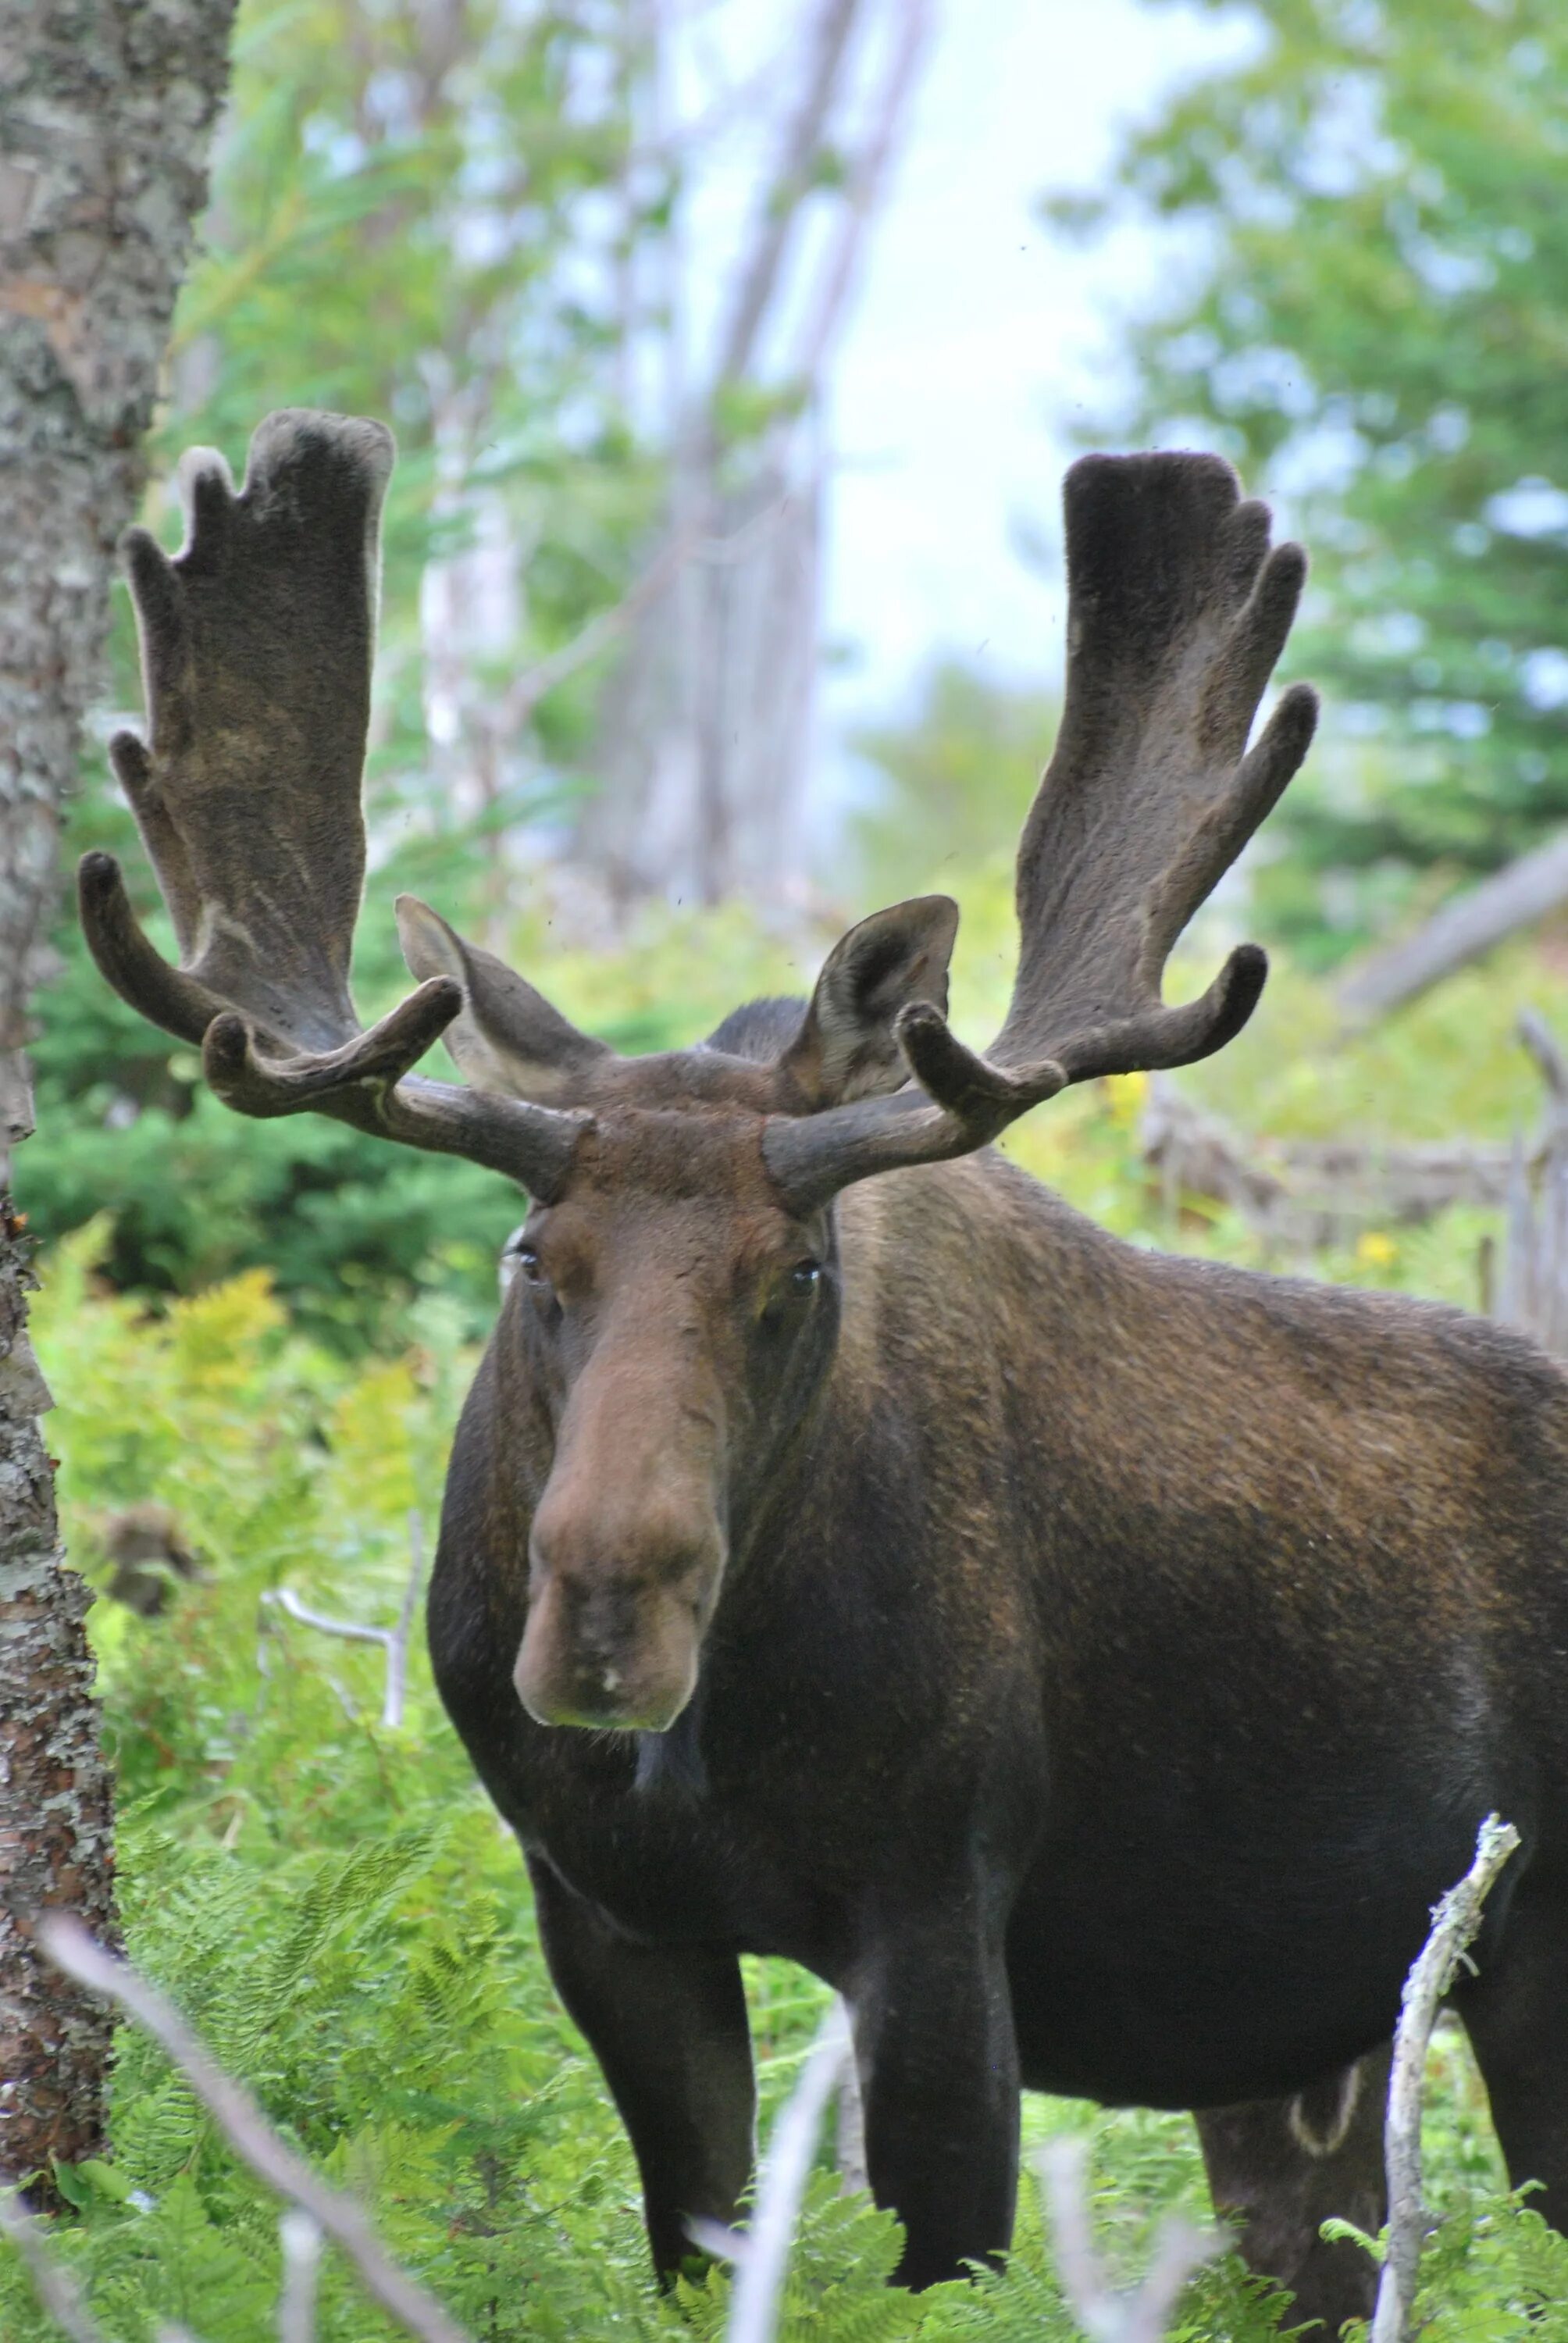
1083,1732
1093,1665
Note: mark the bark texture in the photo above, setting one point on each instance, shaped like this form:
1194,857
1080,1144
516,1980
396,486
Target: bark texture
106,113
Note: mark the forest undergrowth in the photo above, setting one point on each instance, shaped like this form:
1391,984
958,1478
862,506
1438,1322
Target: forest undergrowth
337,1909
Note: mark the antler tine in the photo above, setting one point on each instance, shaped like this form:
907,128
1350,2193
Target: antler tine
1178,612
258,640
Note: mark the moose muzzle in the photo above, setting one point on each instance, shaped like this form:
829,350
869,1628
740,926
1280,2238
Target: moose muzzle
619,1601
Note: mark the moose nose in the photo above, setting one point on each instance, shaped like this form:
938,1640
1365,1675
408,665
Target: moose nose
615,1617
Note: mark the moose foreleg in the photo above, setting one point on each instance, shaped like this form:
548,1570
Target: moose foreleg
1279,2168
937,2063
668,2028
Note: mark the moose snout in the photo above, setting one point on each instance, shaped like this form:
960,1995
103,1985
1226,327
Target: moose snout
616,1614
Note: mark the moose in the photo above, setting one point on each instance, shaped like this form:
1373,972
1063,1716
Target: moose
1093,1664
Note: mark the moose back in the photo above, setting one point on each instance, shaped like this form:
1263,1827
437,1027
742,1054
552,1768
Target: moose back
1092,1664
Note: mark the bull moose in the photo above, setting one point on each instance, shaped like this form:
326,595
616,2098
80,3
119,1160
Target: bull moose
1092,1664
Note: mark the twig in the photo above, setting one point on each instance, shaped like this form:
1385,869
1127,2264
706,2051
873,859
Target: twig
248,2133
300,2237
1455,1922
394,1640
398,1649
518,703
55,2289
853,2174
1105,2315
761,2257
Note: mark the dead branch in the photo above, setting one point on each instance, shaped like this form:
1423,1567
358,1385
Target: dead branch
1306,1193
1105,2315
247,2131
301,2240
1455,1922
394,1640
1514,897
522,698
55,2287
761,2255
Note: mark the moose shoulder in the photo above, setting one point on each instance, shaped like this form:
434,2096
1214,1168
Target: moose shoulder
1093,1664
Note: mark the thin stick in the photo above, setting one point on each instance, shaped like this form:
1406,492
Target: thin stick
247,2131
398,1649
761,2257
1104,2314
394,1640
1455,1922
300,2237
55,2287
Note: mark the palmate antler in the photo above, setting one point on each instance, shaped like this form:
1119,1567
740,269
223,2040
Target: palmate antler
1178,612
257,648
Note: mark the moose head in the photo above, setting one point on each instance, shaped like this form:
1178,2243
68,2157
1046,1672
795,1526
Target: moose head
675,1303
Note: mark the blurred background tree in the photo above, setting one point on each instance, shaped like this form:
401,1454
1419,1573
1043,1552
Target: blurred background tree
595,260
470,216
1371,322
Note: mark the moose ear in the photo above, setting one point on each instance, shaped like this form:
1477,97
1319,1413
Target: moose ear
505,1038
846,1048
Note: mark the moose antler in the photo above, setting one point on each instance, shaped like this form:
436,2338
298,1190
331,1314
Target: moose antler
257,648
1178,612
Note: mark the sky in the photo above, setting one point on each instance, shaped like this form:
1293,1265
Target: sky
976,333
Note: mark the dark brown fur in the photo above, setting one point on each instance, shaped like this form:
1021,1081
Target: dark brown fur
1125,1685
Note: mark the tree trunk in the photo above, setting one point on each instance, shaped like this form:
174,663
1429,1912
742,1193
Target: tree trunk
106,111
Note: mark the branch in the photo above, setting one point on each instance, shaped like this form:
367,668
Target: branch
301,2240
518,703
1455,1922
762,2255
785,190
1104,2314
55,2287
247,2131
394,1640
1514,897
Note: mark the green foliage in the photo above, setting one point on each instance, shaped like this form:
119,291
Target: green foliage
957,778
1369,294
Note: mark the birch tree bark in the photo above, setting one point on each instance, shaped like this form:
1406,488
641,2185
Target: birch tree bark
107,112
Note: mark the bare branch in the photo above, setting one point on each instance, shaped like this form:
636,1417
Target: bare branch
853,2174
1515,896
762,2255
394,1640
606,626
785,190
398,1649
1105,2315
1455,1922
247,2131
301,2240
55,2289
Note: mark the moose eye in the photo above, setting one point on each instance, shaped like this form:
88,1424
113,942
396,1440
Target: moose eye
520,1261
804,1279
